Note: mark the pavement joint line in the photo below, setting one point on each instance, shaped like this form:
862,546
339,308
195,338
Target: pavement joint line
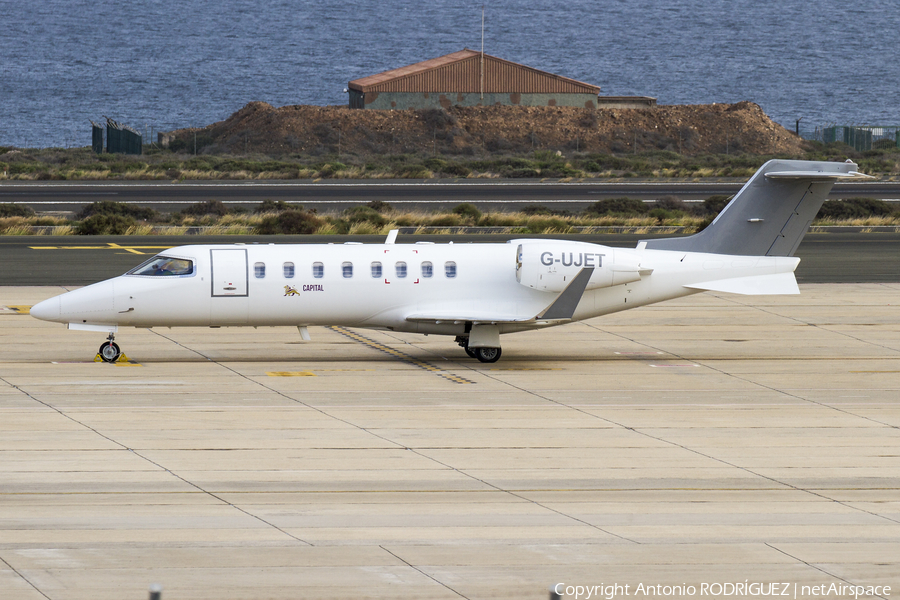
401,446
747,469
414,567
152,462
23,578
820,569
675,444
821,328
366,341
511,492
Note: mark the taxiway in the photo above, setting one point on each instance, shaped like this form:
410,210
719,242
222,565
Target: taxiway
710,439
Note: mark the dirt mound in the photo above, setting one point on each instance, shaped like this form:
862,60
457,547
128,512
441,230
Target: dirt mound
319,130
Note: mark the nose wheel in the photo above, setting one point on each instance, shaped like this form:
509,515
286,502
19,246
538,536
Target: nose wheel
109,350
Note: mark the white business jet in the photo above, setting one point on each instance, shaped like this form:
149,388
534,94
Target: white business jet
474,292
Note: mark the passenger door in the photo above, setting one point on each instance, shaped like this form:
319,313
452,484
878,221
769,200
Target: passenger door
230,296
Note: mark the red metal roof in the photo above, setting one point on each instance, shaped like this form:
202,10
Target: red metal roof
461,72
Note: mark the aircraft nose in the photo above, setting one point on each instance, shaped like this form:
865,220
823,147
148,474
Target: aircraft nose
48,310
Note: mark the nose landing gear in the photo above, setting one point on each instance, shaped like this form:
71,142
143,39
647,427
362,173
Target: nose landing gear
109,350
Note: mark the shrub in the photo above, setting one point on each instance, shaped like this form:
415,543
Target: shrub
105,225
121,209
268,206
522,174
671,203
330,169
289,222
413,171
467,211
540,224
714,204
379,206
364,214
617,206
457,170
445,221
207,207
15,210
661,215
536,209
854,208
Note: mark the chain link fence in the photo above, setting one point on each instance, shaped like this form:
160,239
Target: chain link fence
859,137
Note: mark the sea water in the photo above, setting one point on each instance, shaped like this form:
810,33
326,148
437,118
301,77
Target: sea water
164,64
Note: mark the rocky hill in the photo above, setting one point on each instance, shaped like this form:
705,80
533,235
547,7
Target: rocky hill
320,130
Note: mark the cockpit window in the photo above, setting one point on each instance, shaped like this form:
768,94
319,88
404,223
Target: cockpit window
162,266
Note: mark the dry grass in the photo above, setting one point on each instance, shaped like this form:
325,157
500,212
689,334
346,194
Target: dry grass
863,222
233,229
34,226
140,230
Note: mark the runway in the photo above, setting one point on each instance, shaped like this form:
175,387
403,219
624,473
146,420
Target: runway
406,195
710,440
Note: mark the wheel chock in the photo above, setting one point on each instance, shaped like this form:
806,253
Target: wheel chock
122,359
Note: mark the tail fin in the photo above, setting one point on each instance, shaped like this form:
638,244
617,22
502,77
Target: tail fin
769,215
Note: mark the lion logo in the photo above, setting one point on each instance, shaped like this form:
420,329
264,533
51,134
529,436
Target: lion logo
290,290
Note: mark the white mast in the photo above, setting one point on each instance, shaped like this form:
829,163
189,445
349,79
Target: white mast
482,52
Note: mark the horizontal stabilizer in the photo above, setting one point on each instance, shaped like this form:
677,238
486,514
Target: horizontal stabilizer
817,175
757,285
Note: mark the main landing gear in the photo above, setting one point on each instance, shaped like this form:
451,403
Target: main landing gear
109,350
485,355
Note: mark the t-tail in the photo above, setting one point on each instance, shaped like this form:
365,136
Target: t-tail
769,215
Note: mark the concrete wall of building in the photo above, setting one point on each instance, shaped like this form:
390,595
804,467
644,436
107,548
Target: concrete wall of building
404,100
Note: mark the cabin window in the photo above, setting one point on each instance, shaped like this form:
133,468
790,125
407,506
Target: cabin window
259,270
427,269
376,270
288,270
161,266
401,269
450,269
318,270
347,270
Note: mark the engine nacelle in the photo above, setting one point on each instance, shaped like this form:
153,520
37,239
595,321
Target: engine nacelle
551,265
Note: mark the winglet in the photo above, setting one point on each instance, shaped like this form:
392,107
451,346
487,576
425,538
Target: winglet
564,305
391,236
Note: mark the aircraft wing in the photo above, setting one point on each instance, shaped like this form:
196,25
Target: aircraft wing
560,310
474,317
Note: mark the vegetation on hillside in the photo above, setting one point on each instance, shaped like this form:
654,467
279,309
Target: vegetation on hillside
80,164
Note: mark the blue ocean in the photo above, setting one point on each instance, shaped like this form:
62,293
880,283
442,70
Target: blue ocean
164,64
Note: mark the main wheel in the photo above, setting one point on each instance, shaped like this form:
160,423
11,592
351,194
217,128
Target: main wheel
471,352
487,355
109,352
